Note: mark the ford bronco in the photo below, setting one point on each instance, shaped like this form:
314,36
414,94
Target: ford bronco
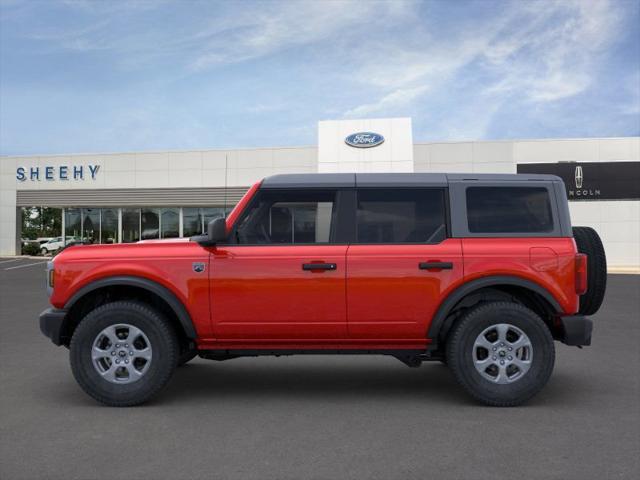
481,272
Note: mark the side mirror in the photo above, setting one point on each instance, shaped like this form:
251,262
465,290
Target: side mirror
216,232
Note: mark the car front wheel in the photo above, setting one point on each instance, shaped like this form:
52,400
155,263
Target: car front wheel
123,353
502,353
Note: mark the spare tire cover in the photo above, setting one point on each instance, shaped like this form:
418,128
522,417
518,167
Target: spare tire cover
588,242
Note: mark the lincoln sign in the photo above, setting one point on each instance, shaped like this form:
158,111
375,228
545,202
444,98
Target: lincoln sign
593,180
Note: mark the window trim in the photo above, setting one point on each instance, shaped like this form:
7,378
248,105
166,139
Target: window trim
335,219
459,216
445,203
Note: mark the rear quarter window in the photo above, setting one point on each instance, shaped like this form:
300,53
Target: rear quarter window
509,210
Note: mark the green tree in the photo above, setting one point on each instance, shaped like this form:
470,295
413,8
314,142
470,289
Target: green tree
41,222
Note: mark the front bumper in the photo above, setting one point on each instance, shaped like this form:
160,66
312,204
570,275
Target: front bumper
51,324
576,330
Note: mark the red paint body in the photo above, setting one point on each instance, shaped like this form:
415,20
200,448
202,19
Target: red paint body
259,297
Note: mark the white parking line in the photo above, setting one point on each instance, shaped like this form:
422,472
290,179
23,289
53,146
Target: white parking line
9,261
27,265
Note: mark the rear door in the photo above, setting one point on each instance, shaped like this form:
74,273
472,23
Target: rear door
401,263
282,277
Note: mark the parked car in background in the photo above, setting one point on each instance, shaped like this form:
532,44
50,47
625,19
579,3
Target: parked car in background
54,244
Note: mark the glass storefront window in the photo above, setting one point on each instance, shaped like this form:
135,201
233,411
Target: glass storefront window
72,224
130,225
109,226
91,225
100,225
170,223
191,222
150,221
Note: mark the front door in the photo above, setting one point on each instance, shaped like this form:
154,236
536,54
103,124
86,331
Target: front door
281,278
400,264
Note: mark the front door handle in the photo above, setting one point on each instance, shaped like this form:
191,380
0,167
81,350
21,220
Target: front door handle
435,265
319,266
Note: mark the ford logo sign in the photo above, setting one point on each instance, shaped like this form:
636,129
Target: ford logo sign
364,139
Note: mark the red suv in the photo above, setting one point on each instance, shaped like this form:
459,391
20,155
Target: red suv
481,272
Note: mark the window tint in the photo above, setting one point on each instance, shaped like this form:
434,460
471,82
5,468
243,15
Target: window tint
401,216
508,210
289,217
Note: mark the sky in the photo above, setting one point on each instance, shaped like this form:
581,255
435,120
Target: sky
89,76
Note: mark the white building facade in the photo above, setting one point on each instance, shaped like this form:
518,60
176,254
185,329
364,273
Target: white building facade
123,197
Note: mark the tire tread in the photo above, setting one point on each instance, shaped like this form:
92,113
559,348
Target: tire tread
164,329
454,344
588,242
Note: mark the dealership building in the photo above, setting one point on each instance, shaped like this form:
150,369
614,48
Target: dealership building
125,197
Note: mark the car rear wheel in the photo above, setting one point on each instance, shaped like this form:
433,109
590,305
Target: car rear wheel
44,251
502,353
123,353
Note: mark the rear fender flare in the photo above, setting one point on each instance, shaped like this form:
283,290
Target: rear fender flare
439,322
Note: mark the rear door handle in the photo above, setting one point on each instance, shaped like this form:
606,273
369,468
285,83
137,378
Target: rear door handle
319,266
435,265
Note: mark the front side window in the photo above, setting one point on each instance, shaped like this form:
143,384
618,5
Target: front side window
509,210
401,216
291,217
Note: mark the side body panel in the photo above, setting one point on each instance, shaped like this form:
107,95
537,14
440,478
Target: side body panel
263,294
169,264
389,297
547,262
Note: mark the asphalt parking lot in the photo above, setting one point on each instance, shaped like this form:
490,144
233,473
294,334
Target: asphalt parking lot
317,417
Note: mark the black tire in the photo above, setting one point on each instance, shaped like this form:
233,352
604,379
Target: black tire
460,350
164,349
588,242
186,356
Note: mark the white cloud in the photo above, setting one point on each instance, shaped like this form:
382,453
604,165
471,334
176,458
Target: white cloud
398,98
552,56
285,25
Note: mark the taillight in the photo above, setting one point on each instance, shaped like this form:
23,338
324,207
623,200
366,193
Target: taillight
581,273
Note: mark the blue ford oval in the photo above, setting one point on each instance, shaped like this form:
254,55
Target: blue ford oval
364,139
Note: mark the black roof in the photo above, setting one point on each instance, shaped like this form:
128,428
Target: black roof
319,180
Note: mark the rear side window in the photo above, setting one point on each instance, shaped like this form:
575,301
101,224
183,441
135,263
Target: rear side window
509,210
401,216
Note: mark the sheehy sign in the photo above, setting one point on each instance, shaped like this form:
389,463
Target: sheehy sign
593,180
60,172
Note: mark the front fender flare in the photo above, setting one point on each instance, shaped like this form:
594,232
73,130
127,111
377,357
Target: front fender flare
167,295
